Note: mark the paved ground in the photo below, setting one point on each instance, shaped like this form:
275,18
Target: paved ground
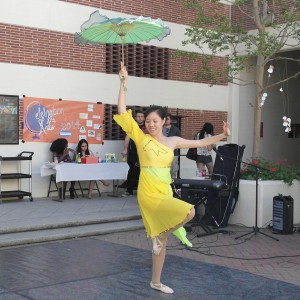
254,253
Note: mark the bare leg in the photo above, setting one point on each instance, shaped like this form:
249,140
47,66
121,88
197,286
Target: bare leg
180,231
189,217
210,167
91,187
158,260
200,166
105,183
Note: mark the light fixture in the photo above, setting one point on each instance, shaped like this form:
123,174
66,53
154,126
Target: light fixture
270,70
286,123
263,99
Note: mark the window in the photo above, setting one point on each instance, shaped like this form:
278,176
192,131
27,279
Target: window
295,131
9,119
140,60
112,130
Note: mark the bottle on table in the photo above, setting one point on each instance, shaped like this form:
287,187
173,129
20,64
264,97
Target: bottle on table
78,158
97,155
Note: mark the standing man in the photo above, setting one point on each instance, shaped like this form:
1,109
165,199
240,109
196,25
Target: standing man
171,130
130,151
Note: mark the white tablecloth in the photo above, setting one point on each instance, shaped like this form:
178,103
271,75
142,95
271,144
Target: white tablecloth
81,172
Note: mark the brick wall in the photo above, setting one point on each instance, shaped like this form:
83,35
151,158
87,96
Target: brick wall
168,10
30,46
246,22
192,120
185,70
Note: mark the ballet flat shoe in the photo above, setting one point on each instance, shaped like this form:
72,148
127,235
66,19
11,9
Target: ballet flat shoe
161,287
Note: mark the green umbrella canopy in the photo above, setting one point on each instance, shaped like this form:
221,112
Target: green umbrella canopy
99,29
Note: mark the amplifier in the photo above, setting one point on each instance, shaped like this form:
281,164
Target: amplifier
193,196
283,212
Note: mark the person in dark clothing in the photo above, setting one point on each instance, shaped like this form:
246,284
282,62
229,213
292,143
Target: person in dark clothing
60,150
204,158
171,130
130,151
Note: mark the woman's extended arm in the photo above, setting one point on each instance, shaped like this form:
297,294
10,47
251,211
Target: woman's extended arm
122,92
183,143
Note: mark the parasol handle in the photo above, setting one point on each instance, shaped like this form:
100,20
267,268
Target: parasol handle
122,45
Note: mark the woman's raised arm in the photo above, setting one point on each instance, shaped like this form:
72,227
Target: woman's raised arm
123,75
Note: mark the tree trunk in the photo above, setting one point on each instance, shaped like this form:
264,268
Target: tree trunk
257,108
260,11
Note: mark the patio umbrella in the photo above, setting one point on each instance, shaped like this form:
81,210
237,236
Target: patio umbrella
99,29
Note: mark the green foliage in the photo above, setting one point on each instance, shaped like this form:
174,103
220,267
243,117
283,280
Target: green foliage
280,170
222,36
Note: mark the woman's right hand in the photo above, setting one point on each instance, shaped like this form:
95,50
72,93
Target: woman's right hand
124,153
123,74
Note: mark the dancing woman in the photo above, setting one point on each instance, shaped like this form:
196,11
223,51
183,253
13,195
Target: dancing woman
162,213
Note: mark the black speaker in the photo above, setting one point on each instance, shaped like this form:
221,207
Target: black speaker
283,212
192,196
221,204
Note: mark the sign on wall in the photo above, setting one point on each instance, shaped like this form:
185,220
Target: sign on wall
45,120
9,119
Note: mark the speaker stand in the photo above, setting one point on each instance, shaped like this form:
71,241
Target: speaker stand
255,229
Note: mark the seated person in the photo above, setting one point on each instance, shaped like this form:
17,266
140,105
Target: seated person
60,149
84,151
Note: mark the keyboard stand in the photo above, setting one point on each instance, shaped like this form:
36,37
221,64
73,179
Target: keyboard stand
198,222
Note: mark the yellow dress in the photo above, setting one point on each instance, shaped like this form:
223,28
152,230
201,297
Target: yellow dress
159,209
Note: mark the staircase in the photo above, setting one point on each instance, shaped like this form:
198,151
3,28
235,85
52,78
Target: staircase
57,222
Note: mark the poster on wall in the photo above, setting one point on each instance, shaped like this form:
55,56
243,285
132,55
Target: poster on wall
9,119
46,120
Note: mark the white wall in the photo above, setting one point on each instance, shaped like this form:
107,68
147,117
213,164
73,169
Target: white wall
274,145
276,106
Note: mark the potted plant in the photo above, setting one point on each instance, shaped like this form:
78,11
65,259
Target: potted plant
274,178
267,170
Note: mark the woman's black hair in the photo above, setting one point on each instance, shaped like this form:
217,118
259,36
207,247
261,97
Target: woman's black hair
162,111
78,149
59,146
138,112
207,128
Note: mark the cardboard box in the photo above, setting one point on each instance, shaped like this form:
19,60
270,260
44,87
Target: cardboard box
90,160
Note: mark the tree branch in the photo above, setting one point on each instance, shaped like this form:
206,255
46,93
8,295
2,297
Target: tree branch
281,81
257,20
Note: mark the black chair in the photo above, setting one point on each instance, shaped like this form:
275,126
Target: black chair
96,188
53,187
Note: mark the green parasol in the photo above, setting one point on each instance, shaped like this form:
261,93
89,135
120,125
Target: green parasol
99,29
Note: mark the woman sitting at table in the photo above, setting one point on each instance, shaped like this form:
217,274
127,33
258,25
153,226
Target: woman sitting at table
84,151
62,153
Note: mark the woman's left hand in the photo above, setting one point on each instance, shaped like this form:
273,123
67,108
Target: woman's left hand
226,129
